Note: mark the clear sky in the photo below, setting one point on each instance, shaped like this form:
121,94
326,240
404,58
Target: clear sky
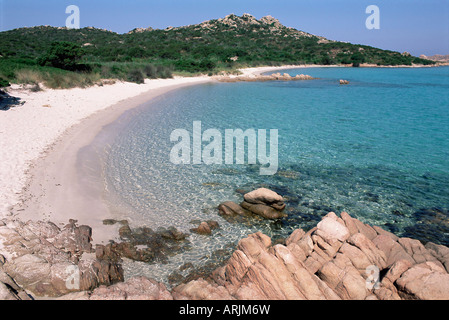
419,27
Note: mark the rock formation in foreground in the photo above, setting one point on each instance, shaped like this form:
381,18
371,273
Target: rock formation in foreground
41,259
341,258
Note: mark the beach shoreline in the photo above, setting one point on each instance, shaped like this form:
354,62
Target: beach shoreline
56,188
58,124
42,178
60,182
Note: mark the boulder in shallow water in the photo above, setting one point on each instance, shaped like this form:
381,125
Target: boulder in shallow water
263,210
230,208
263,196
206,227
265,203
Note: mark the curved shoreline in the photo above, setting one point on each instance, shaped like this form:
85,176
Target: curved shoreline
39,175
65,180
60,182
58,173
33,133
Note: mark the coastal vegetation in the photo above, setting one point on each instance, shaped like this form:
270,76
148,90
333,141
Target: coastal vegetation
61,57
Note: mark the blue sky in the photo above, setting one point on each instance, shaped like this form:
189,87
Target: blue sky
419,27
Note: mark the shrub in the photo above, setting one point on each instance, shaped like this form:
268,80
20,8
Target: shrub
150,71
36,88
66,80
326,60
136,76
28,76
64,55
164,72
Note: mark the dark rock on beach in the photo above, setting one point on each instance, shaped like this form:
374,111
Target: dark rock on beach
7,101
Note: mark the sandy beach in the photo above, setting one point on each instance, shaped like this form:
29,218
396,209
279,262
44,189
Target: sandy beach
40,174
56,123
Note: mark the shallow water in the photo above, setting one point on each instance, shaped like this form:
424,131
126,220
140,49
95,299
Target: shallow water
377,148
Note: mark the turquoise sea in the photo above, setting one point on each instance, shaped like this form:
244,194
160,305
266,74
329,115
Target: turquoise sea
377,148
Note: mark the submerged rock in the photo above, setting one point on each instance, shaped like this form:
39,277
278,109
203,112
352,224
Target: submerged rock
230,208
267,212
144,244
433,225
206,227
110,222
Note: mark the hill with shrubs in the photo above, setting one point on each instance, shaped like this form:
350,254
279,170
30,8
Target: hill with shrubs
62,58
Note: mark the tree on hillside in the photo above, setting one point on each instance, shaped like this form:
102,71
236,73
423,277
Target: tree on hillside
62,54
357,58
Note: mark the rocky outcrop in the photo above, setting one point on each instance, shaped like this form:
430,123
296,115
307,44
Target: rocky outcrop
139,288
248,22
272,77
45,260
261,202
340,258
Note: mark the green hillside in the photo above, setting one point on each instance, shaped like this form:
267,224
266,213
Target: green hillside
30,54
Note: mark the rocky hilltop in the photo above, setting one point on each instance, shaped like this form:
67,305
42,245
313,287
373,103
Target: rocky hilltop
235,22
210,47
268,23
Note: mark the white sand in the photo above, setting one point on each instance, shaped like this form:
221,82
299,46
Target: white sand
27,131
